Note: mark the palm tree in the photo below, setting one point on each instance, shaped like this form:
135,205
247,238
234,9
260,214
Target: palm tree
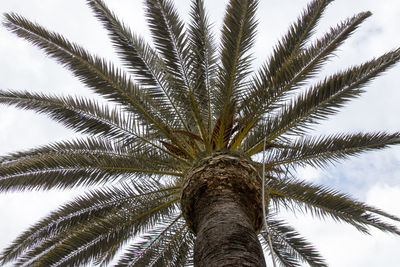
172,162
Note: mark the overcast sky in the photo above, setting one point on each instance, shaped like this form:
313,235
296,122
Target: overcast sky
373,177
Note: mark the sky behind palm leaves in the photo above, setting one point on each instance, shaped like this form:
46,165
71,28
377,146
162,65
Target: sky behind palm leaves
372,177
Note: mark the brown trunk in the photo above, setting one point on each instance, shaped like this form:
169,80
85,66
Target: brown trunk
221,201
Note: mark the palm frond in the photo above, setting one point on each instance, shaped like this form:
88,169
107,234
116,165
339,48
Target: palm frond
89,207
79,163
203,61
139,252
324,99
80,114
101,76
87,116
171,252
238,33
80,244
160,246
291,247
323,202
108,256
282,255
289,47
328,96
271,89
169,35
136,54
144,62
171,40
295,39
268,91
319,151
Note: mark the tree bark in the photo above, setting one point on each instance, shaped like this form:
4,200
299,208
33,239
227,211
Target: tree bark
221,202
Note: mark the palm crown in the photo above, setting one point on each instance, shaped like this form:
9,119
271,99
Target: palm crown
174,105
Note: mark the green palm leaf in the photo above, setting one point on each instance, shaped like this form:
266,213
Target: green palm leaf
90,207
170,39
101,76
81,242
291,244
79,163
323,99
238,33
323,202
144,62
87,116
203,61
319,151
80,114
268,90
308,61
295,40
153,250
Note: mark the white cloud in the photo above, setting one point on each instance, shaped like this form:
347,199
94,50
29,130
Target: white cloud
25,68
309,174
385,196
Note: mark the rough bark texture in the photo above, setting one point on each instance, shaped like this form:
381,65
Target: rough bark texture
221,202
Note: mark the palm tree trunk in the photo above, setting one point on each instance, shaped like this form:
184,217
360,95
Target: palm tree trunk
221,201
225,236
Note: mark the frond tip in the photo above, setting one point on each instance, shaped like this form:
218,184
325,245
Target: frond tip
289,246
322,202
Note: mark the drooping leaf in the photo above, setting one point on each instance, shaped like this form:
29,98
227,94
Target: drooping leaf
321,201
292,249
79,163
